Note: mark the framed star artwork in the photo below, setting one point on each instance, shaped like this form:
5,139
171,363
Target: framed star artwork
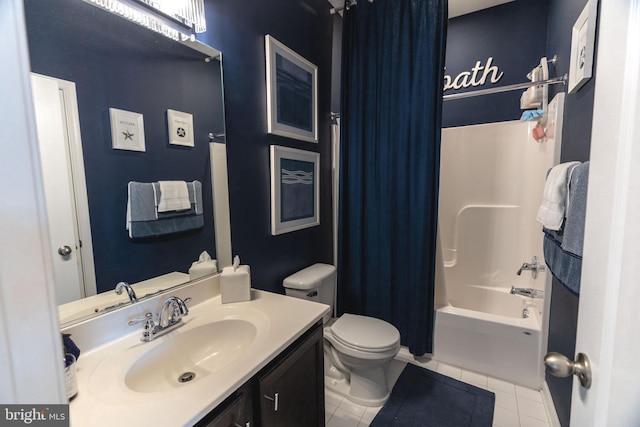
127,130
180,128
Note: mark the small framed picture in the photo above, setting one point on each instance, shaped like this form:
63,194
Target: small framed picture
127,130
292,86
180,128
583,36
295,189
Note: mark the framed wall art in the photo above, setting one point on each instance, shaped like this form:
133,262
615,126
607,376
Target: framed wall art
292,86
583,36
295,189
127,130
180,128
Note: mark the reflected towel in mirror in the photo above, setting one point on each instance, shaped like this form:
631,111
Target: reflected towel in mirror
145,220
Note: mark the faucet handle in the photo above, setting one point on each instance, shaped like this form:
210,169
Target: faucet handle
148,319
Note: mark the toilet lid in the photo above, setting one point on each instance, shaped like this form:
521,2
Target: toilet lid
365,333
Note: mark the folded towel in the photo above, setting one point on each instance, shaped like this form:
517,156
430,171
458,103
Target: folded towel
140,203
573,236
144,220
554,199
195,198
174,196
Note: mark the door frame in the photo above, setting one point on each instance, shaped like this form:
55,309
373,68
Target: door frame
608,314
30,343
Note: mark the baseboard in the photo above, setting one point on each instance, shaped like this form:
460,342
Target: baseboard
552,415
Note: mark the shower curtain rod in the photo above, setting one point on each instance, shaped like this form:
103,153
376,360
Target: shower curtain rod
508,88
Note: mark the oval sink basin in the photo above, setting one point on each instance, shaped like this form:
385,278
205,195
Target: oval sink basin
190,355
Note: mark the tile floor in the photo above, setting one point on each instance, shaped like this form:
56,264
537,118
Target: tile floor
516,406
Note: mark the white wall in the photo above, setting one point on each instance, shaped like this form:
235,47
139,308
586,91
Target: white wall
491,183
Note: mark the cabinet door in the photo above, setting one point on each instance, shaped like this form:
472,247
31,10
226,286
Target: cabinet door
292,392
234,412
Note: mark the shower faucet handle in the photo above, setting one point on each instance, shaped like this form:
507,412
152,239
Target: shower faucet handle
534,266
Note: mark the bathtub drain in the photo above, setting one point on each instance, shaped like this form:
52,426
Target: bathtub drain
186,377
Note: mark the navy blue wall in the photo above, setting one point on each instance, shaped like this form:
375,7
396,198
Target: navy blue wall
118,64
238,28
576,144
514,35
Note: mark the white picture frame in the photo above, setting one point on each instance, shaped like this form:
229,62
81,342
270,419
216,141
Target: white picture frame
127,130
295,189
180,128
292,93
583,36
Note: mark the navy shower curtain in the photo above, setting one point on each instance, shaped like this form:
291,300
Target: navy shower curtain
392,74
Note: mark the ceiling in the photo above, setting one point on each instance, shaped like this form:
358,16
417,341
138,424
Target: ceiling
456,7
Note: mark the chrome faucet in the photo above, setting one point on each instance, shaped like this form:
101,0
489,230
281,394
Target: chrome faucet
527,292
173,308
172,311
124,285
535,267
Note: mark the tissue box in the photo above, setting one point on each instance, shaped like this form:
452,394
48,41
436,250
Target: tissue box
235,285
201,269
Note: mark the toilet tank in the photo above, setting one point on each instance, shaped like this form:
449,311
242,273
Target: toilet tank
315,283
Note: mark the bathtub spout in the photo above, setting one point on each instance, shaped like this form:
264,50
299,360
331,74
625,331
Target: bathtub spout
527,292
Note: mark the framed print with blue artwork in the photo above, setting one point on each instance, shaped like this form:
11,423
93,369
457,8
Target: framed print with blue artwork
295,189
292,86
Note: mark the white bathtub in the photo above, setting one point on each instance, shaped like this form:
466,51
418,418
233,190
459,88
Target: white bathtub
485,332
491,184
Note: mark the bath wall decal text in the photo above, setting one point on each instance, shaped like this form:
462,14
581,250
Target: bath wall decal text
476,77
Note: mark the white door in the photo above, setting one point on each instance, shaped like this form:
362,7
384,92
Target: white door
66,246
609,315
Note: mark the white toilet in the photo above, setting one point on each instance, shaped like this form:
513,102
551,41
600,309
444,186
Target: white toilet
357,349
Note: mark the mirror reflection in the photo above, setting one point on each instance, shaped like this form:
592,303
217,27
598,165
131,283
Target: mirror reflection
98,61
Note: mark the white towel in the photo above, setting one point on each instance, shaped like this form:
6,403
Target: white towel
174,196
554,199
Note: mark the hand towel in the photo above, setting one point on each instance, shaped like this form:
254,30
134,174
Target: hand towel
573,238
554,199
140,203
174,196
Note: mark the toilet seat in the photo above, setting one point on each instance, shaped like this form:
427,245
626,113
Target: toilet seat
366,334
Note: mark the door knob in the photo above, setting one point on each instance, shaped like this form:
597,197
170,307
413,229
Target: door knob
560,366
64,250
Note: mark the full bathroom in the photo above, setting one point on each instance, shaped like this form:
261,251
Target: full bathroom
256,304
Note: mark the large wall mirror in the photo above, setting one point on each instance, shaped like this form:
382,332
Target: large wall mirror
112,63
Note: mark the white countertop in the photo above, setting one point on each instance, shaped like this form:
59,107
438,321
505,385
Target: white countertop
104,400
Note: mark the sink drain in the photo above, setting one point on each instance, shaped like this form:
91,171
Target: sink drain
186,377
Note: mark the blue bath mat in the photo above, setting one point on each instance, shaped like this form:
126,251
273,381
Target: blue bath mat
426,398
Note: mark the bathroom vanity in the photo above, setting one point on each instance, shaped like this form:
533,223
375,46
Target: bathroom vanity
254,363
288,391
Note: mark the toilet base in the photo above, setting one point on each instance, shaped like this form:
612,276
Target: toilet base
343,388
360,390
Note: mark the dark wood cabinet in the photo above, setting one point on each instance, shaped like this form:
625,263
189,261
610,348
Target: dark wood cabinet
235,411
291,391
288,392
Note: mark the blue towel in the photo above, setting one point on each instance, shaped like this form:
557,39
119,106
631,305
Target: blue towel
573,236
564,266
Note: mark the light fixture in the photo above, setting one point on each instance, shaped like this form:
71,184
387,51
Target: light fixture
175,19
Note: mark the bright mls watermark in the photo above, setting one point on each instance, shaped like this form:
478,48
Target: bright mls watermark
37,415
